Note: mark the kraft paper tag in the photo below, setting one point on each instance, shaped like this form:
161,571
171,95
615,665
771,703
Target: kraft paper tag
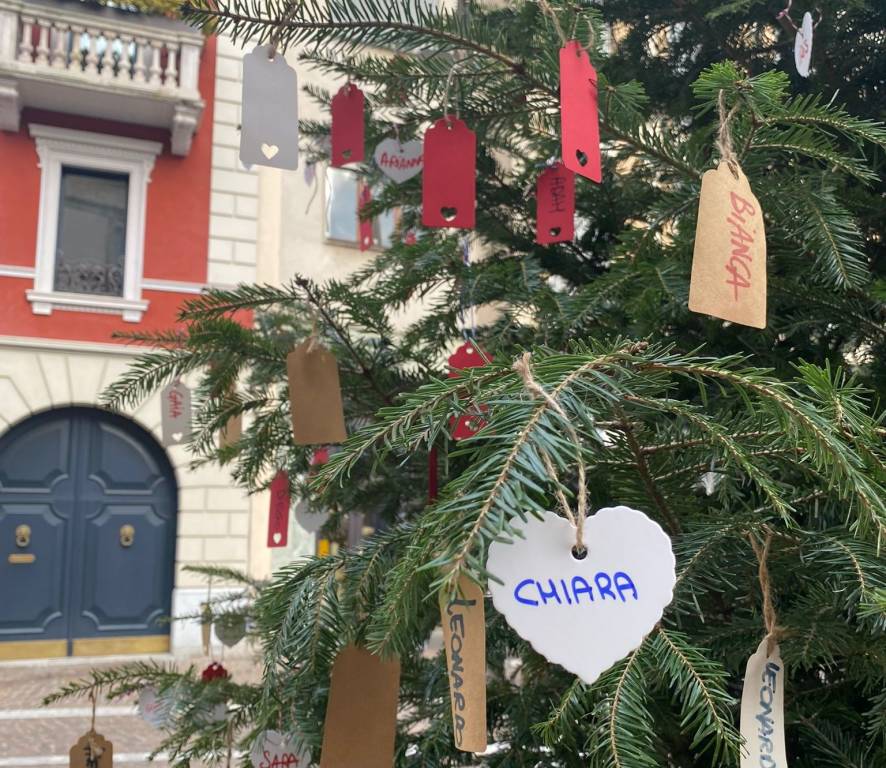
175,402
315,395
361,716
92,750
762,711
269,126
583,613
464,634
729,261
229,434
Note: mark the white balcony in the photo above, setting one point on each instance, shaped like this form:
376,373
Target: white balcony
84,59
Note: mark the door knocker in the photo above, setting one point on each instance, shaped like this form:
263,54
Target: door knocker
23,536
127,535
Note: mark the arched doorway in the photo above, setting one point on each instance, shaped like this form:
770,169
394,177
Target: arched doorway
87,536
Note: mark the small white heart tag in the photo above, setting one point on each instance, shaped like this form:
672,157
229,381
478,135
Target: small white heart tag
153,707
803,46
269,150
273,749
278,537
584,614
309,519
399,162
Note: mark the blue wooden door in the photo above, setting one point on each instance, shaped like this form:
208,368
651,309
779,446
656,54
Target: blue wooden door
87,536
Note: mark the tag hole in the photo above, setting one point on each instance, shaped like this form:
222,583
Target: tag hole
554,231
448,213
579,553
346,154
581,157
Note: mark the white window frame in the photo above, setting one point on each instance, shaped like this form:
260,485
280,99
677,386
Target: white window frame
59,147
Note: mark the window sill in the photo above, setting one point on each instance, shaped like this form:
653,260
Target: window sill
43,303
354,245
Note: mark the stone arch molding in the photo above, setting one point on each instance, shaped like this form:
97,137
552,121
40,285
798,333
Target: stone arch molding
36,380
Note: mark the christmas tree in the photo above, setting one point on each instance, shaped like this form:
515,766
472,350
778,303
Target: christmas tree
759,452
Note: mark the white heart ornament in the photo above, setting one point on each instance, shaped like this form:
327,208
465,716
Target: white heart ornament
309,519
399,162
153,707
803,46
584,614
273,749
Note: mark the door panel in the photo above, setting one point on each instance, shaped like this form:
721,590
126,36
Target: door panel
119,463
37,457
126,589
33,576
76,477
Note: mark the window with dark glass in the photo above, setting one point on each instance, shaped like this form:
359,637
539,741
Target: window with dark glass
343,211
91,245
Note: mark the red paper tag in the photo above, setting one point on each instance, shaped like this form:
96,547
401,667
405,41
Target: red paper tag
320,456
365,224
555,205
278,520
468,355
449,186
347,126
579,121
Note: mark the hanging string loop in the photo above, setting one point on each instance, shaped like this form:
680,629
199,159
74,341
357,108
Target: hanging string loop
773,632
724,133
523,366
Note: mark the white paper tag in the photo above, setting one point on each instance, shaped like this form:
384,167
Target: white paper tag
153,707
308,518
269,125
584,614
175,418
803,46
762,711
397,161
273,749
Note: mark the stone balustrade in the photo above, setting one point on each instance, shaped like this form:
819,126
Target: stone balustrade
151,63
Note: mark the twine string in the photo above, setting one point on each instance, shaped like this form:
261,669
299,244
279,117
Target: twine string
770,617
314,338
724,133
523,366
546,7
446,94
274,40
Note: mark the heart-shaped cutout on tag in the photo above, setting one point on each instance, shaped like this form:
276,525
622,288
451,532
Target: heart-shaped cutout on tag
269,150
584,614
803,46
399,162
278,537
272,749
